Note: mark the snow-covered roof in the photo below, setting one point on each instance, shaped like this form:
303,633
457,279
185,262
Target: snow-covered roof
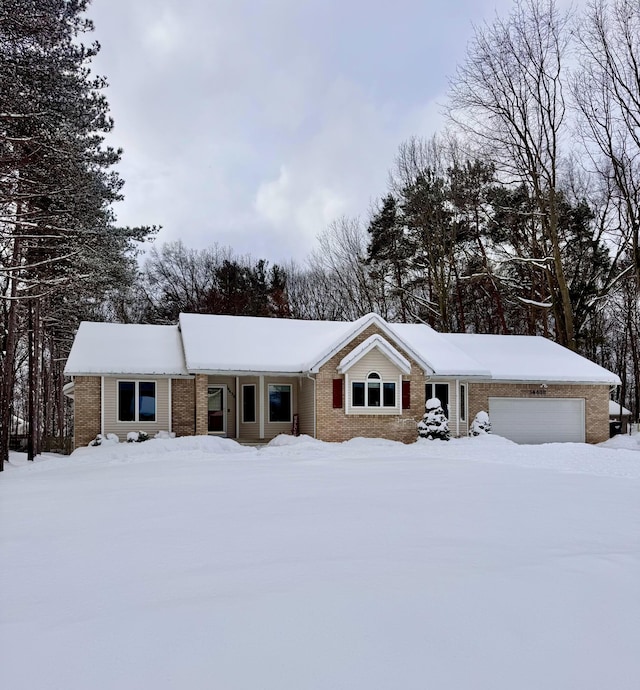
529,358
443,357
219,343
614,410
257,344
116,348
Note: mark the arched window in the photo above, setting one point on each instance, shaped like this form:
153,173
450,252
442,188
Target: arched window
373,392
373,389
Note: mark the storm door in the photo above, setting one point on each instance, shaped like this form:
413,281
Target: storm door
217,418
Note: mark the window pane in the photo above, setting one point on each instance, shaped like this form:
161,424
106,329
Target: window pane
389,394
374,393
147,401
126,401
373,375
463,402
248,403
279,403
442,393
357,394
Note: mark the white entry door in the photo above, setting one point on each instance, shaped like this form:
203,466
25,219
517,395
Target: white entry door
216,407
538,421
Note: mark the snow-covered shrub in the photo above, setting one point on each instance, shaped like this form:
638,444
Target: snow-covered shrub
480,425
102,440
165,434
434,424
137,436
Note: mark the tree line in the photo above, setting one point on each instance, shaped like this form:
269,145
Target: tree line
522,217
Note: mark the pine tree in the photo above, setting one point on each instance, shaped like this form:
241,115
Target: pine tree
434,423
56,186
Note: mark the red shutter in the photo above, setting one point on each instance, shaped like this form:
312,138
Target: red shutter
337,393
406,395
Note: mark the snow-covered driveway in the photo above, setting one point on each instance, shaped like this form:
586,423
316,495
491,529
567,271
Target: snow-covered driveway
194,563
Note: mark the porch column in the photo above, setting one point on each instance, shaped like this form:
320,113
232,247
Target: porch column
237,407
261,405
202,405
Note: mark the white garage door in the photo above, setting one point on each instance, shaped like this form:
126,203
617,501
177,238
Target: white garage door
538,421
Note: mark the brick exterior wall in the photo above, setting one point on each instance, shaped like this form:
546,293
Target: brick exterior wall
183,411
86,409
202,403
334,425
596,401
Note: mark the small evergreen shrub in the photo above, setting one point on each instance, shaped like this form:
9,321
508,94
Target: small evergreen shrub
480,425
434,423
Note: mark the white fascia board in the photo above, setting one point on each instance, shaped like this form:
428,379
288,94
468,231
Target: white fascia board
359,326
374,342
565,381
247,372
135,374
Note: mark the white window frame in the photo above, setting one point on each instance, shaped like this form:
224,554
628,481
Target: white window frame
447,411
290,387
366,405
136,406
255,403
463,402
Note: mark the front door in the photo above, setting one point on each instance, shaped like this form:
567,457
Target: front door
217,423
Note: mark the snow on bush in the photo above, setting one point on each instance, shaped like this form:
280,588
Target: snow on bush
434,424
165,434
102,440
137,436
480,425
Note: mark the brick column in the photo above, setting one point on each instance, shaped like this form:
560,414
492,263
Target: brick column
183,410
202,424
86,409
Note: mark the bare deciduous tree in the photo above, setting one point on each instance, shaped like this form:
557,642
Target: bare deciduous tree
508,96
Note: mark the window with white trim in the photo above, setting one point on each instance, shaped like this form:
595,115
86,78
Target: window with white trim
374,392
280,402
440,391
463,402
136,401
248,402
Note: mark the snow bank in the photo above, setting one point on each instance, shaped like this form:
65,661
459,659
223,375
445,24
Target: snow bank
309,565
162,447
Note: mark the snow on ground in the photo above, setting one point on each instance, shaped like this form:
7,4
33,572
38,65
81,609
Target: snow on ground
196,563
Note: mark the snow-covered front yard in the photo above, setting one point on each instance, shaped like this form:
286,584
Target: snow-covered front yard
199,564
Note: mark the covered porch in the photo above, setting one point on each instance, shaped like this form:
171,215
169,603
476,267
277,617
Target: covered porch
254,407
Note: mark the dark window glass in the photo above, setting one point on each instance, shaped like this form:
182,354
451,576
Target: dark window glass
147,401
248,403
463,402
279,403
373,390
389,394
440,391
357,394
126,401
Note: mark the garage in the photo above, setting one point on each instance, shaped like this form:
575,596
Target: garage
538,421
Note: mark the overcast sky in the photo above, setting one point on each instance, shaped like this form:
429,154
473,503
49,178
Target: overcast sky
255,123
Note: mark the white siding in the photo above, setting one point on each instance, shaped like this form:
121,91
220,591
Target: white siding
307,406
111,423
374,361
